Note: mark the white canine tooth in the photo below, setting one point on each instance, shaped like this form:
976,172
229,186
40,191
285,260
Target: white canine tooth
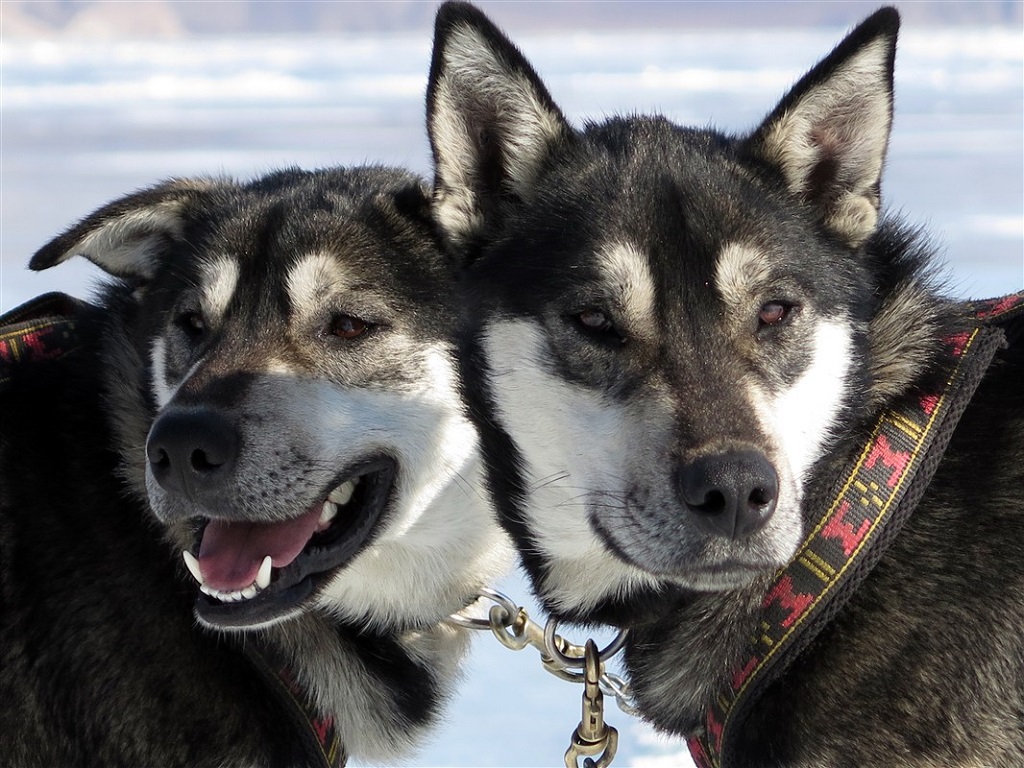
328,513
343,493
193,565
263,577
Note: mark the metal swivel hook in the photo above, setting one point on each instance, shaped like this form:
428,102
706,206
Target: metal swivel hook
592,737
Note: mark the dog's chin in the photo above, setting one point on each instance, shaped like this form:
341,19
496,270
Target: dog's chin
714,576
720,578
689,569
290,590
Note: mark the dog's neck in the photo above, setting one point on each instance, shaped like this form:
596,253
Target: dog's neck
382,691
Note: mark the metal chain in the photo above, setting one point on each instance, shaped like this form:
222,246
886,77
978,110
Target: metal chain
513,627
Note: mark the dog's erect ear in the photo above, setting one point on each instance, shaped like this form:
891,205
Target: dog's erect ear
125,237
830,133
491,121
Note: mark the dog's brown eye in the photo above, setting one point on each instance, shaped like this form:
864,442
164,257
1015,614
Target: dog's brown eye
774,313
348,327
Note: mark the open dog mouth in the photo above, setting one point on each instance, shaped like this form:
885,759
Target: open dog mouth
250,573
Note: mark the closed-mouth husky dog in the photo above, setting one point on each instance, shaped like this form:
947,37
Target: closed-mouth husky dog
676,339
265,396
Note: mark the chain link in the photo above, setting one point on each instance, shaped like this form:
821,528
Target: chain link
513,627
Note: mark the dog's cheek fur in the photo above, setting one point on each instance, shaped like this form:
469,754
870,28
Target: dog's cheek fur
568,438
909,318
438,543
801,418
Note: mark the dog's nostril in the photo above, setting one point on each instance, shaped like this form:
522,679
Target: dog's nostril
713,503
159,459
201,462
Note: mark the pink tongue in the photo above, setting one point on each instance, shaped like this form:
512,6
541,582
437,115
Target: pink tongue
231,553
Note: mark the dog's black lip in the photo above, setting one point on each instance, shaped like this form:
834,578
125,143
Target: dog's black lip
731,567
330,551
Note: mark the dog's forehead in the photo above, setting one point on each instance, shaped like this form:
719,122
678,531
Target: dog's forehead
650,175
677,201
292,249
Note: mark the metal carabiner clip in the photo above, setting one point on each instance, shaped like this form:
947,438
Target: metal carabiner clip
592,737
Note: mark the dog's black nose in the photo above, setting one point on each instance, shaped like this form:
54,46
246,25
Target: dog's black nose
730,494
193,452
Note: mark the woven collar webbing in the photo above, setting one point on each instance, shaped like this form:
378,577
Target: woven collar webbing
41,329
868,506
46,328
321,745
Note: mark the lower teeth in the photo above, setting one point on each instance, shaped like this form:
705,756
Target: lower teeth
261,583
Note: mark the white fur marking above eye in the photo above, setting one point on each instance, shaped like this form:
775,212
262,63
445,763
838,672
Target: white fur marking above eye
309,280
626,273
741,273
218,279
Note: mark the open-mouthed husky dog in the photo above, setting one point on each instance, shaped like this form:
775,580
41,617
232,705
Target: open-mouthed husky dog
265,396
677,341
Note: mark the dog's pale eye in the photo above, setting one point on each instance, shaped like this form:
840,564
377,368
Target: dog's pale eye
774,313
192,323
348,327
598,326
594,320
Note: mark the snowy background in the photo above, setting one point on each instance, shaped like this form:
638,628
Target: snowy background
86,118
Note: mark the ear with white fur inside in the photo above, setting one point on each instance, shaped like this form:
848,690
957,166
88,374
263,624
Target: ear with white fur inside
124,237
830,133
491,121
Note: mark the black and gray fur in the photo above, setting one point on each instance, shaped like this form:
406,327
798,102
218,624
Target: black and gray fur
675,339
261,345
